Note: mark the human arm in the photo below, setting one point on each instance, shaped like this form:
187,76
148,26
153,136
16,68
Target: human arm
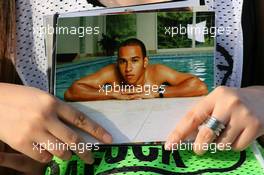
181,84
92,87
29,116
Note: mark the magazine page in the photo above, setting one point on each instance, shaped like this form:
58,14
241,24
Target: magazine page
136,71
101,57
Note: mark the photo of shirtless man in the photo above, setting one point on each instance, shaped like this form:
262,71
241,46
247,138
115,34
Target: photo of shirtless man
132,77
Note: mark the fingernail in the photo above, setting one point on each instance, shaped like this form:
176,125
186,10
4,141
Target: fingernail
200,153
90,160
168,146
107,138
46,158
68,155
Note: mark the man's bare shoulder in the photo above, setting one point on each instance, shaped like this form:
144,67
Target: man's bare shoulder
111,68
162,73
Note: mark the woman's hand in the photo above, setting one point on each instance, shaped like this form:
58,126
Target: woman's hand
30,118
241,110
18,162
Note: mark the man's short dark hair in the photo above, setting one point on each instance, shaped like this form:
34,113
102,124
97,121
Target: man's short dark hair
134,42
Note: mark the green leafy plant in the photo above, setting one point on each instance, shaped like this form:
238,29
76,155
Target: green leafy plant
108,44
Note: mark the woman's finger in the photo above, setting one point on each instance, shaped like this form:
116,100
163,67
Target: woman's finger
33,151
191,121
21,163
206,135
80,120
246,137
72,139
53,145
230,134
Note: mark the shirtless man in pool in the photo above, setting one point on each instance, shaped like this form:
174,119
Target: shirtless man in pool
133,78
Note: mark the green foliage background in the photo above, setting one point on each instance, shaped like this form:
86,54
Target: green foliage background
122,27
172,19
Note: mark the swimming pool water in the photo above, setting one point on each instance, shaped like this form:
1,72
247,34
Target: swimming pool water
201,65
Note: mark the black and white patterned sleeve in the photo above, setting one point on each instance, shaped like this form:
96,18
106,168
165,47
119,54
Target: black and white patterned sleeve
229,48
31,61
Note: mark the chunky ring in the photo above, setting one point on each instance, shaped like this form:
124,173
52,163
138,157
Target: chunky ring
215,125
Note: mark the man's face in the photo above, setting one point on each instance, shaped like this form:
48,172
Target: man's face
118,3
131,63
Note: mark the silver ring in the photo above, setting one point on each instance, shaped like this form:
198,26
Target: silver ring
215,125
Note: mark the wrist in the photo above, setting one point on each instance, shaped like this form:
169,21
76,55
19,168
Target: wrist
161,91
157,94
